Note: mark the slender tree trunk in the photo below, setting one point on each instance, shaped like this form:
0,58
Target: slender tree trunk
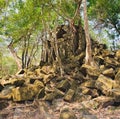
18,61
88,58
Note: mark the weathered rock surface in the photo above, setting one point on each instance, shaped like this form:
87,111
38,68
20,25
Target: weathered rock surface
118,54
28,92
104,84
117,77
115,93
109,72
80,81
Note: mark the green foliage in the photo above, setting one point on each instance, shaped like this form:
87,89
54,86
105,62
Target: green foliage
67,7
106,12
23,20
7,63
2,4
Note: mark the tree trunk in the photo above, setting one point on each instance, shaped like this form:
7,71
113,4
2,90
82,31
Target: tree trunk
88,58
17,60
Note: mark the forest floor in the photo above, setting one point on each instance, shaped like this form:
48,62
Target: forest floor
38,109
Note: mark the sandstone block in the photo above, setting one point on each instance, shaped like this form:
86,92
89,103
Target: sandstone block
104,84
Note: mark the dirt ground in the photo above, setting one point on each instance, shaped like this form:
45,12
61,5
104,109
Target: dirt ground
38,109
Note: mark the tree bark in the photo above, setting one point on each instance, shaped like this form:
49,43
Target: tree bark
88,58
17,60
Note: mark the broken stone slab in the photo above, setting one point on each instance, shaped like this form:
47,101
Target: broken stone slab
117,77
69,96
109,73
74,84
19,82
104,101
87,91
49,96
56,93
60,78
48,69
7,89
90,104
90,70
48,78
107,53
94,93
6,93
13,81
99,102
78,76
99,59
104,84
89,84
63,85
117,54
102,68
115,93
49,89
27,92
29,73
39,83
38,73
111,62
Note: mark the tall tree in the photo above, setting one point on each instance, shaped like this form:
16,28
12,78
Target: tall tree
88,57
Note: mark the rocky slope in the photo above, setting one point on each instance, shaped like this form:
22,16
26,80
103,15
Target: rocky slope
89,87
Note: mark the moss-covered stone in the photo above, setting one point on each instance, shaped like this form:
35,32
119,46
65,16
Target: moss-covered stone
13,81
109,72
48,78
19,82
49,96
28,92
69,95
89,84
90,70
115,93
63,85
104,84
118,54
58,93
117,77
39,84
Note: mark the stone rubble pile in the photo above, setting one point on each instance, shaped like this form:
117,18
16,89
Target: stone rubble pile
82,83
